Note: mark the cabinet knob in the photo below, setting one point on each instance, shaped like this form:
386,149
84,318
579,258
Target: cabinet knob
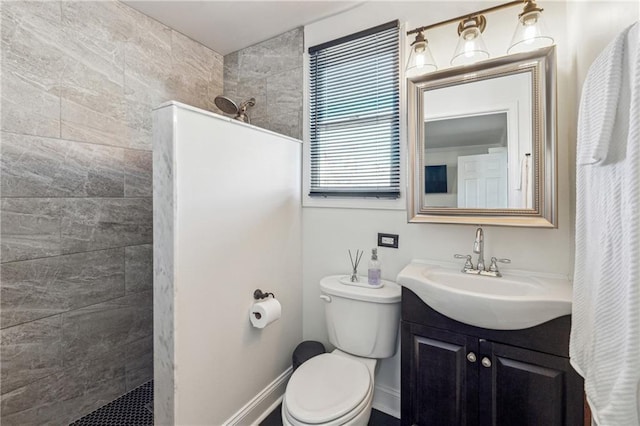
471,357
486,362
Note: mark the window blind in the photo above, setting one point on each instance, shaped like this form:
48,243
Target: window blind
355,117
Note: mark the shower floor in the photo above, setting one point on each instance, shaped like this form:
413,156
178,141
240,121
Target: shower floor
131,409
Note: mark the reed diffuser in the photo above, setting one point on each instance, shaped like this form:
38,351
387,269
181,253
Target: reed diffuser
354,264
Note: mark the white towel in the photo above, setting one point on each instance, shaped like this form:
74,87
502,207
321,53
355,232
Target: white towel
605,335
599,103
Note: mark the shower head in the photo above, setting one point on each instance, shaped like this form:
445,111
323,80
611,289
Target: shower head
226,105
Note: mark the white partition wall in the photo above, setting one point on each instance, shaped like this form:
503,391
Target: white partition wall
226,221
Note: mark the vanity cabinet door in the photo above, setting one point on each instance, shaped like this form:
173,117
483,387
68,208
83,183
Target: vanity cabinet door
439,377
527,388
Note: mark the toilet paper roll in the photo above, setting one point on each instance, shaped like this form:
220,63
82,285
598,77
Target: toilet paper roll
265,312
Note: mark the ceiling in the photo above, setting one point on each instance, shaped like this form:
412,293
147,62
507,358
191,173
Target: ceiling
227,26
488,129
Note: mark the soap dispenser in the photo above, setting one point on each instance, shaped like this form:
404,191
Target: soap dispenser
374,268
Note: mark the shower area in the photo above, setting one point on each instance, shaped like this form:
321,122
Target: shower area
79,82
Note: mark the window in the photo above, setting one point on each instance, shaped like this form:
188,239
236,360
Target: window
355,118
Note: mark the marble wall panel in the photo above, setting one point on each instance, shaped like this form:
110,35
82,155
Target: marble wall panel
138,266
230,73
92,81
138,179
139,103
29,82
37,403
78,85
30,352
139,362
46,167
97,330
29,228
100,223
26,108
283,92
39,288
271,72
147,54
92,383
67,395
163,265
92,105
36,227
194,69
95,35
287,124
147,71
32,27
273,56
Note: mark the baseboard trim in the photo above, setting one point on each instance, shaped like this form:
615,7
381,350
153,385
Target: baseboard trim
256,410
387,400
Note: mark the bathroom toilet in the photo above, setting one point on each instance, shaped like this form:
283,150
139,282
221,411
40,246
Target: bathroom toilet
337,388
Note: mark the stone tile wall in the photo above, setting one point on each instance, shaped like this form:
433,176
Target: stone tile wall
271,72
78,83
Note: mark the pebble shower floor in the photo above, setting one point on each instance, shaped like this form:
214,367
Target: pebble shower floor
131,409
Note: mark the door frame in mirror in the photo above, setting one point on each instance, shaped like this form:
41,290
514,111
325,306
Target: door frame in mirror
541,64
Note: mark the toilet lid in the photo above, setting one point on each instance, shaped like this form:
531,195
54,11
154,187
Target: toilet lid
326,387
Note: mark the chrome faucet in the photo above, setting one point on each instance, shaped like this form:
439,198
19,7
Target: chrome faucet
481,269
478,248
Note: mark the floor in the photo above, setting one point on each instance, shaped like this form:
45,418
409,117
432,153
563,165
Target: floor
136,409
378,418
131,409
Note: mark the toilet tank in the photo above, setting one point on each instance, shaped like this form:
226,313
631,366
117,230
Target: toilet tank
362,321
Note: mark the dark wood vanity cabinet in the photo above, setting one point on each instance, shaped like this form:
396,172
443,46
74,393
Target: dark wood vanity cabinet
455,374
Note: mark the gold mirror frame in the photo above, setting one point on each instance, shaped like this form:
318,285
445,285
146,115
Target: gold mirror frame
541,64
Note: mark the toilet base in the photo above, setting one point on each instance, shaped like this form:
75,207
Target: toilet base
362,419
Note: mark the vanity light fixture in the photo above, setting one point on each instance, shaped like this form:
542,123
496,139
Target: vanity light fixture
530,34
470,47
420,59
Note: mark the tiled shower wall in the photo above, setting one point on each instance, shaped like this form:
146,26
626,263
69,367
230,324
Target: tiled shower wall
79,80
271,72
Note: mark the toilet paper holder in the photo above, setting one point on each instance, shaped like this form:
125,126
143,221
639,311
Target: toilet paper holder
258,294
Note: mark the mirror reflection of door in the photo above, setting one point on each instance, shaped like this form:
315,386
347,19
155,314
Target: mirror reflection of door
480,132
482,181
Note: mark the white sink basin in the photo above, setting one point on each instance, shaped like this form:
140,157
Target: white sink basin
519,299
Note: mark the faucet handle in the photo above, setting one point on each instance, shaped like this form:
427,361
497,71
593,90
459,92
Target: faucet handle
467,264
494,263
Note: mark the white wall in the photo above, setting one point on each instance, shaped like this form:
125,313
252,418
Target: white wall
236,221
329,232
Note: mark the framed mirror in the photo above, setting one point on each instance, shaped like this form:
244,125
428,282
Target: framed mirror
482,143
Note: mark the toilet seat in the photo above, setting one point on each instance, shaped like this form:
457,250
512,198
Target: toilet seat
328,389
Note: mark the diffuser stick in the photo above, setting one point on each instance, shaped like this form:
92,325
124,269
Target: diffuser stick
354,264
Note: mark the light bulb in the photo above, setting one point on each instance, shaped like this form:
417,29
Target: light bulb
420,58
529,34
529,22
468,49
470,36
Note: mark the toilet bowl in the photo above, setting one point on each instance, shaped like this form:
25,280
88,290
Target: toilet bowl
330,389
336,389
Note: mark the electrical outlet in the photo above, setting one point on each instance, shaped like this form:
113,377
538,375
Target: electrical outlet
388,240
